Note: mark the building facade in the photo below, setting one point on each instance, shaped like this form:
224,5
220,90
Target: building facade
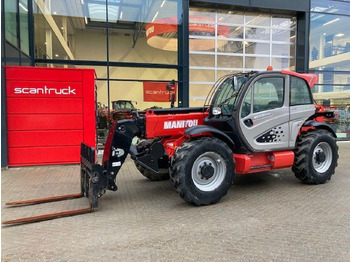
136,43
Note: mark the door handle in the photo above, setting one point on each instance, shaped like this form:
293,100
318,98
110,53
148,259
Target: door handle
248,122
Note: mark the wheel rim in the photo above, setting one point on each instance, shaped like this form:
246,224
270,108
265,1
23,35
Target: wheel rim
208,171
322,157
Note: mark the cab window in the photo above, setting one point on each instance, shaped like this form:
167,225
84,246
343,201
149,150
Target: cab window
268,93
299,92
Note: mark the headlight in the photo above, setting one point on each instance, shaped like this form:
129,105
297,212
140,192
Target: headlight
216,111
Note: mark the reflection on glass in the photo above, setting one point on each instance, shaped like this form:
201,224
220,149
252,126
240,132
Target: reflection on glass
257,48
23,24
230,47
230,17
221,73
282,63
11,25
197,75
329,42
198,94
257,19
232,32
283,50
257,33
202,60
280,22
69,30
329,51
230,61
139,31
257,62
330,6
239,41
283,35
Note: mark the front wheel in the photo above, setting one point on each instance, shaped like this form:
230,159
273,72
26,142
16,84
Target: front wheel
316,157
202,170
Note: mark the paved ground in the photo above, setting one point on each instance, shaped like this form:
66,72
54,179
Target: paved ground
268,216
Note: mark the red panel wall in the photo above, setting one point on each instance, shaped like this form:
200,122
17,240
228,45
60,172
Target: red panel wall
50,111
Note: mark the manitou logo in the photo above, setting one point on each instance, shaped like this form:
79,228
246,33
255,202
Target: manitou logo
180,124
44,91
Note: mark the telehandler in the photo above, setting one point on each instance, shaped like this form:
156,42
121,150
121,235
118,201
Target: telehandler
251,122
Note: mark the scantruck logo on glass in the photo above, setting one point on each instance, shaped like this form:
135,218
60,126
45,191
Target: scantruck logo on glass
44,91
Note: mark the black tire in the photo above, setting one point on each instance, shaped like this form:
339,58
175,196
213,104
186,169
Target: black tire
316,157
162,175
190,159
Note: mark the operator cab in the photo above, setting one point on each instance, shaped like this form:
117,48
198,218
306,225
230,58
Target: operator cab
260,111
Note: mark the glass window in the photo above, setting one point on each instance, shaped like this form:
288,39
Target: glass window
231,17
144,31
230,61
268,93
329,42
283,50
246,106
257,48
257,33
331,6
257,62
238,41
70,30
257,19
202,60
10,22
198,94
299,92
23,24
200,75
229,46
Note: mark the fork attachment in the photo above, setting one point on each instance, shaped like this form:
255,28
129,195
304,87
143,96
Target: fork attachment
95,179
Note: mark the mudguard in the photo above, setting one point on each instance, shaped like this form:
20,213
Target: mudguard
319,125
195,130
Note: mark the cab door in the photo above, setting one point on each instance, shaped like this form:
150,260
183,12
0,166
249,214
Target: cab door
264,113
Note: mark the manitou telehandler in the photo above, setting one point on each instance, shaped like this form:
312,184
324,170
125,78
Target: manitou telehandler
251,122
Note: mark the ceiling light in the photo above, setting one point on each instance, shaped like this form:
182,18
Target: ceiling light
221,18
332,21
22,6
155,16
339,35
62,27
82,1
56,55
162,3
121,15
55,13
324,33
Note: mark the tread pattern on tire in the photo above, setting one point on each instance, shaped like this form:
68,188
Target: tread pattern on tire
177,167
301,168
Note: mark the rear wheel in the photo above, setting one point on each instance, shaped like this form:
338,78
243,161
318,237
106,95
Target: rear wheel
202,170
316,157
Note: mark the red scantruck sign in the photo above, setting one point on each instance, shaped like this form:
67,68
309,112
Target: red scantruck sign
156,92
50,112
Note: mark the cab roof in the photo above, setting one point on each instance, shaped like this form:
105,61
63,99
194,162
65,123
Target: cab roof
311,79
